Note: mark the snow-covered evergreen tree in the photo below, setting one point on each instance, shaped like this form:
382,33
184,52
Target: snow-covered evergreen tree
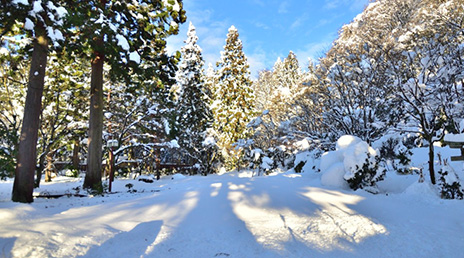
233,107
263,88
287,75
13,84
194,114
63,117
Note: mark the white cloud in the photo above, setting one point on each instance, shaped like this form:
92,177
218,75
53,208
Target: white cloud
314,51
257,61
259,2
358,5
283,7
261,25
299,21
331,4
351,4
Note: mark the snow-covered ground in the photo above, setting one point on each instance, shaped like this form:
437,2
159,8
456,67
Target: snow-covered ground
234,215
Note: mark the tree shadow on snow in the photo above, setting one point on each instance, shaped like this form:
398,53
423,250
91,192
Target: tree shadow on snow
211,229
6,245
303,220
264,217
133,243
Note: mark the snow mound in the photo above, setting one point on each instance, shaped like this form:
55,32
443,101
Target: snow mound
341,165
177,176
424,190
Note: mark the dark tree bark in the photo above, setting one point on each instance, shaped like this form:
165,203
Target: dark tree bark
75,156
27,153
94,156
39,170
431,165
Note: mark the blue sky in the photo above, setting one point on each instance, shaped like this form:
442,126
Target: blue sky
268,28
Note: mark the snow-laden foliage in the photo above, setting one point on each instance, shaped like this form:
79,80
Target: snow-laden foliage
395,152
194,116
131,36
63,120
353,164
49,15
141,127
13,66
234,100
286,79
396,68
449,182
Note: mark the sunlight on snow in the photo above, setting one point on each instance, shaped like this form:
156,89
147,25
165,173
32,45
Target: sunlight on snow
336,220
236,187
77,230
329,227
217,187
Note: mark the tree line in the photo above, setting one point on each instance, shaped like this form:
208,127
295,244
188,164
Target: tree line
393,78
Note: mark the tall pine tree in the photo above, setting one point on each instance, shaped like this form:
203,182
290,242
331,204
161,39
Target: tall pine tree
194,113
287,76
234,105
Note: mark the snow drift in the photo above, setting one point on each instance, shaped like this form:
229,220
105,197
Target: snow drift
344,164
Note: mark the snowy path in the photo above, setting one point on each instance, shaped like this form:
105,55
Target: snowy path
222,216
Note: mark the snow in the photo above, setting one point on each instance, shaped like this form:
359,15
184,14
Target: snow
340,165
122,42
54,35
4,51
173,144
209,141
267,163
23,2
60,11
284,215
134,56
421,190
28,25
177,176
454,137
303,144
175,6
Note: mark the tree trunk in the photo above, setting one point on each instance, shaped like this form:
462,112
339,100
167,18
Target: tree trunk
94,156
39,171
75,156
431,160
27,152
50,167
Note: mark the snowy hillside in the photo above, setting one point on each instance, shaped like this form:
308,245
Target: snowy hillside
234,215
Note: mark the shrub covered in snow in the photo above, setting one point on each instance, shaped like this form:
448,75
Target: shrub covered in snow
265,160
282,156
354,164
307,154
210,158
395,152
450,183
